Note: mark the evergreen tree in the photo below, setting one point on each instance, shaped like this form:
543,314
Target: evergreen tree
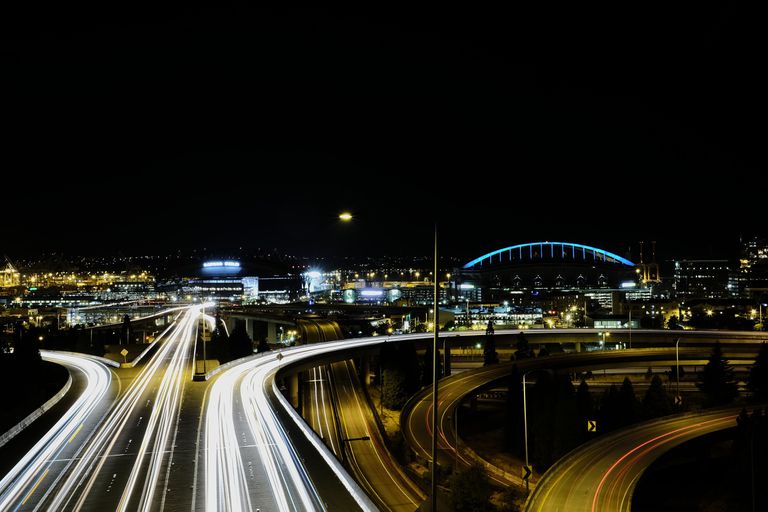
409,361
262,346
240,344
471,491
609,410
629,407
393,391
218,347
523,347
490,356
656,401
758,374
716,381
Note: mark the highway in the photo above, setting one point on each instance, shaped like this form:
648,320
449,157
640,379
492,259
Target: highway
318,408
600,476
416,418
22,487
123,462
367,455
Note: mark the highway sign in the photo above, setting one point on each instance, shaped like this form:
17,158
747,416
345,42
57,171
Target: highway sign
678,400
527,472
591,425
279,357
124,352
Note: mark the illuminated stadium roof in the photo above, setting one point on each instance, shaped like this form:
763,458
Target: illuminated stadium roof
547,251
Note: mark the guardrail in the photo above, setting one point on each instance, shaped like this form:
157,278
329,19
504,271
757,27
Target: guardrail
20,426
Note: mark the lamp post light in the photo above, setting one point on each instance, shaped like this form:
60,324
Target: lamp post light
525,426
435,355
347,217
677,368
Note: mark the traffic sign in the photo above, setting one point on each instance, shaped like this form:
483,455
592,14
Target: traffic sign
591,425
279,356
124,352
678,400
527,472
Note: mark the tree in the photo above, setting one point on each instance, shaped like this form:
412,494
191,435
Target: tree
393,391
758,374
471,490
262,346
629,407
656,401
219,344
490,356
240,344
543,351
523,347
716,381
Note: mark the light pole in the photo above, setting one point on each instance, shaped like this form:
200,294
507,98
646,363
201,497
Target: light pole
630,323
677,368
525,427
435,355
347,217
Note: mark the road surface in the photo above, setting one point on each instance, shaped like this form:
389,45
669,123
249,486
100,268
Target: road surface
367,455
416,418
601,475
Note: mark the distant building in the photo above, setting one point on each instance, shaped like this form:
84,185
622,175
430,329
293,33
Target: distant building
702,278
752,277
9,276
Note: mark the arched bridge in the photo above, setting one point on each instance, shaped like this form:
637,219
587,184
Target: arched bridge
547,252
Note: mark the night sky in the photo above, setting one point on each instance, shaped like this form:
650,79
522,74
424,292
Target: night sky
592,126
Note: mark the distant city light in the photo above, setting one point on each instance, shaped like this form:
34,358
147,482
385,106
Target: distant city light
226,263
345,216
314,274
628,284
372,293
466,286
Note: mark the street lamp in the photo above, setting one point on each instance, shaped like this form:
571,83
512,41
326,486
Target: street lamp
435,355
677,368
525,426
346,217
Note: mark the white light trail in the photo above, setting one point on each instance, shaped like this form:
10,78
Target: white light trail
34,465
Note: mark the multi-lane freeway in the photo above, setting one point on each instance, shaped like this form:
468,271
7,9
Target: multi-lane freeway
601,476
416,419
117,449
116,457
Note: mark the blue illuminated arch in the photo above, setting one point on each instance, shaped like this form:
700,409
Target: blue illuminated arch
604,255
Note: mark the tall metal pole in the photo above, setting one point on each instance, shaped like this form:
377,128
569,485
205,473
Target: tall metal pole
204,354
630,324
525,428
677,366
435,355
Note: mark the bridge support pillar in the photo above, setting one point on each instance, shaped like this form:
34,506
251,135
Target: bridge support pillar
293,390
249,328
272,332
577,346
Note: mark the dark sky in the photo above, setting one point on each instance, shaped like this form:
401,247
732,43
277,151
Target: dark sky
240,126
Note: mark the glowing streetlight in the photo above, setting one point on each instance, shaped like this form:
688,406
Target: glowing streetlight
345,216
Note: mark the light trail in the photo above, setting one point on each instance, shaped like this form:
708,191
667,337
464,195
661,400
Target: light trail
23,480
165,366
